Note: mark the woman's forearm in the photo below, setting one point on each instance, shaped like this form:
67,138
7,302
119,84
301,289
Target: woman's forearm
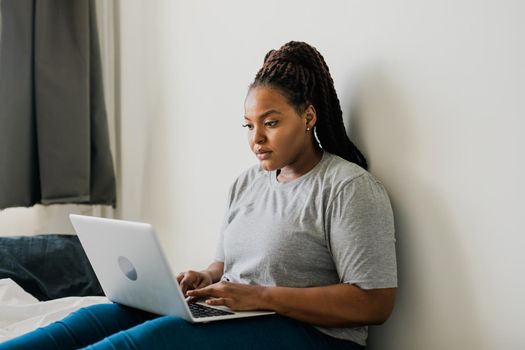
215,271
341,305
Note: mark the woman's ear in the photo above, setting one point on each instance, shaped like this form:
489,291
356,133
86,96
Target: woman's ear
310,116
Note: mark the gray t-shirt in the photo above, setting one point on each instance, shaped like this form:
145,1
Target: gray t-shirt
332,225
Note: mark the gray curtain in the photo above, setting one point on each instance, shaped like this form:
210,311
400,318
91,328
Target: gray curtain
54,144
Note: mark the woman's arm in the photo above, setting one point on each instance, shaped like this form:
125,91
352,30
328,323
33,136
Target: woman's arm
340,305
332,306
215,271
198,279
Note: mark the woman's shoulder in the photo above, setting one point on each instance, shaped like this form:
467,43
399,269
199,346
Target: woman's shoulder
339,169
339,173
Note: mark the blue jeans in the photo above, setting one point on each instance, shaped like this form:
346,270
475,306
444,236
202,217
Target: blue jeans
112,326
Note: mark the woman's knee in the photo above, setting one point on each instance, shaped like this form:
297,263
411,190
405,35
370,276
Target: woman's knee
81,328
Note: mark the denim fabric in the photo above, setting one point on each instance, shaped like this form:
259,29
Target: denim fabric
111,326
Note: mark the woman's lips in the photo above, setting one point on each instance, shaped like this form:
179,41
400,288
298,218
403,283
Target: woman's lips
262,155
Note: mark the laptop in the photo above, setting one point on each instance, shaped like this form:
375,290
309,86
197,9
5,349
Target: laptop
133,271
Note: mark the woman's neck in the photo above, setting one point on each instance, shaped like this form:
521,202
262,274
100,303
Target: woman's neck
300,166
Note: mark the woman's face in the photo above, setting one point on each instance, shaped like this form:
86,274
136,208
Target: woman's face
276,132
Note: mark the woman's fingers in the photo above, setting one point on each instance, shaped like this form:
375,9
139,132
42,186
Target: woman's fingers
201,292
221,301
189,280
213,290
235,296
202,283
184,285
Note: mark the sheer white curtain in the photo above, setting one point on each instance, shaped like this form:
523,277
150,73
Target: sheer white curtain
54,218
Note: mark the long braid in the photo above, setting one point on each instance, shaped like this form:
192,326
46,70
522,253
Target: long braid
300,72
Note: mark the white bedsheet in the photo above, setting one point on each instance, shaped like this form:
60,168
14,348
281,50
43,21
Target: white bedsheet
20,312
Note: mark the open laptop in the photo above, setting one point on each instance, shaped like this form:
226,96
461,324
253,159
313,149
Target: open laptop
133,271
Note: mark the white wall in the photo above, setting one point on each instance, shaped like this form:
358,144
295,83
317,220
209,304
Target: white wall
433,91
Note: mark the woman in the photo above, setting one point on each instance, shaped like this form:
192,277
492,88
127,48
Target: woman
308,233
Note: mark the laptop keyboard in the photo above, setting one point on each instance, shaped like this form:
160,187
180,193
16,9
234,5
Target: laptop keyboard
198,310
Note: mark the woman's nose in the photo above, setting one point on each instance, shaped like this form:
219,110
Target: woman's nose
258,137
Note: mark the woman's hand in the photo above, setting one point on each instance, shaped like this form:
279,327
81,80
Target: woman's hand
190,280
198,279
234,295
338,305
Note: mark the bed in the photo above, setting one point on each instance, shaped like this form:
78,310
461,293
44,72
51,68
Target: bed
43,278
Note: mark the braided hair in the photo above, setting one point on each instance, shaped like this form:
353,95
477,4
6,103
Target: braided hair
300,73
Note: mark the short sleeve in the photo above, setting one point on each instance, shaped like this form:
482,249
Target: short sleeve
360,234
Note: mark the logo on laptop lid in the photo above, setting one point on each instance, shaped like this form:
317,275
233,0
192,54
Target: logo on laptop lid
127,268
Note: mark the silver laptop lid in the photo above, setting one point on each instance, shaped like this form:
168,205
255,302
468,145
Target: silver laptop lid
133,271
130,264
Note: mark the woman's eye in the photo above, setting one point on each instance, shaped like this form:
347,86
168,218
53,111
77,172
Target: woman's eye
270,123
249,126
